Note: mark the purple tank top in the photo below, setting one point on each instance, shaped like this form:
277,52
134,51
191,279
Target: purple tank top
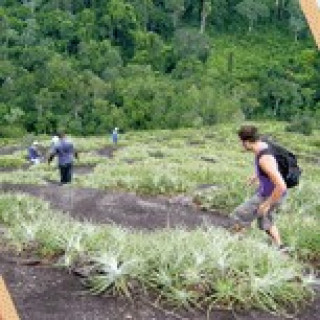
266,186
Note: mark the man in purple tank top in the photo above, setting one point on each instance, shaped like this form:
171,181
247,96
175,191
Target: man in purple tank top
271,191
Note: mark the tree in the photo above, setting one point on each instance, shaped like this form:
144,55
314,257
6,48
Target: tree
11,121
86,25
297,21
35,58
247,94
297,24
189,42
205,11
32,4
150,49
90,64
187,67
56,24
282,96
8,35
44,104
176,9
30,34
71,92
14,116
252,10
143,9
122,21
100,57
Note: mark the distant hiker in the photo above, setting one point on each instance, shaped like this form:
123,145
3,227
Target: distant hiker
272,184
34,154
65,152
115,136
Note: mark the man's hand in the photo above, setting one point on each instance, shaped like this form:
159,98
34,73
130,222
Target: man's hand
264,208
50,158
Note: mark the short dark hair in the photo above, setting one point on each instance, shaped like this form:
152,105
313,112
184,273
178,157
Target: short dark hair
249,133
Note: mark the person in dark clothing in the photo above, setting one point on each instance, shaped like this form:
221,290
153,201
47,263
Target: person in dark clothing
34,155
66,153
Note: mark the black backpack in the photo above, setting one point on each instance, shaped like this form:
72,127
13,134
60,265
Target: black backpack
287,163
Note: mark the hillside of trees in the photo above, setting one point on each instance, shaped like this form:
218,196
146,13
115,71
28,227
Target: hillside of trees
90,65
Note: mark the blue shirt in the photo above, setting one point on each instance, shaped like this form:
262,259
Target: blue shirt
114,136
33,153
65,151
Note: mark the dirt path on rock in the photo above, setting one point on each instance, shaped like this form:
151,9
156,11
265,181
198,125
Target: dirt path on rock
108,151
47,293
4,151
121,208
25,166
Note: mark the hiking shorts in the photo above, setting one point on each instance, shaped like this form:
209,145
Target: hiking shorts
247,212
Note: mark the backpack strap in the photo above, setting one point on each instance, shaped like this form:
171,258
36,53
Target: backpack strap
260,154
264,152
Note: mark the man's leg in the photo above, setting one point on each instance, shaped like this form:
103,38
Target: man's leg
274,234
246,213
266,223
68,172
63,174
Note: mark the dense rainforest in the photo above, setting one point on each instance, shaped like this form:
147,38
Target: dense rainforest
90,65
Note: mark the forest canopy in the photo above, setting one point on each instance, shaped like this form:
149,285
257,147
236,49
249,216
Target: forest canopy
90,65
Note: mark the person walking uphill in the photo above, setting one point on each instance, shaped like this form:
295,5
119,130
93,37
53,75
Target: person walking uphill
115,136
272,182
65,152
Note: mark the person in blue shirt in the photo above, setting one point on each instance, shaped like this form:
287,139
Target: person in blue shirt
66,153
115,136
34,154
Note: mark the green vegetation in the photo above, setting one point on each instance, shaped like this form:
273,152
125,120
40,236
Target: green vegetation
206,165
91,65
9,161
201,268
199,67
303,124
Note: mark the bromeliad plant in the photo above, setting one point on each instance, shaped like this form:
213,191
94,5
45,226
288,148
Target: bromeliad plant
203,268
113,274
